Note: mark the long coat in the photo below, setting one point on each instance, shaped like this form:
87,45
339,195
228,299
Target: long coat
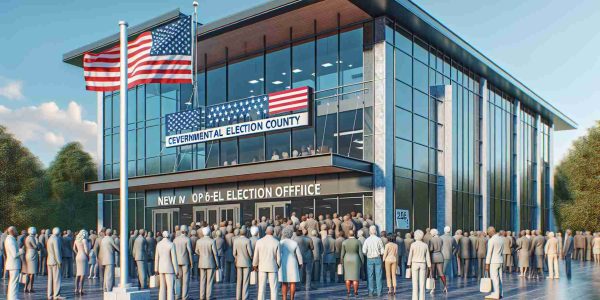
352,258
524,251
291,259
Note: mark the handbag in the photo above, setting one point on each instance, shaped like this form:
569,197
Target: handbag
398,270
218,275
408,274
340,270
485,285
253,278
23,279
154,283
430,283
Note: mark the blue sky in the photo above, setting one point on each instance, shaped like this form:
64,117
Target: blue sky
550,47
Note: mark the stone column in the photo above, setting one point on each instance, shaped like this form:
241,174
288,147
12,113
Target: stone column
485,144
444,168
517,168
539,163
551,217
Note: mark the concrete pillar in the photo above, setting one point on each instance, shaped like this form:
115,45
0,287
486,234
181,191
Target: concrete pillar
99,155
551,218
518,165
383,140
485,144
539,163
444,192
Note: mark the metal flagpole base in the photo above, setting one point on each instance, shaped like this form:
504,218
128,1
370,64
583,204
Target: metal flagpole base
127,293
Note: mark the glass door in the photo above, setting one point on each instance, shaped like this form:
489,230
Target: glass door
230,213
165,219
272,210
215,214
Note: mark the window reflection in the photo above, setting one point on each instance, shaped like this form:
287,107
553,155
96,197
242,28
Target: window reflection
278,70
351,59
327,62
303,64
326,125
252,149
246,78
217,83
278,145
229,152
303,142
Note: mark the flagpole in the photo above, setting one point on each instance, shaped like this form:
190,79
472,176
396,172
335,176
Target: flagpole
195,52
123,184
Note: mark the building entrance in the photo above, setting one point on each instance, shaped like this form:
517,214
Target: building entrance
165,219
217,213
272,210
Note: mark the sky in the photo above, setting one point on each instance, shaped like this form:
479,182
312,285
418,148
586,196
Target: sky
550,47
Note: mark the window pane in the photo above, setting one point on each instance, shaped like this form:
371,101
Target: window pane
403,124
212,154
403,154
278,70
350,204
420,76
252,149
326,126
216,86
403,193
278,145
152,101
420,154
326,206
403,67
153,141
421,202
420,127
246,78
170,96
116,109
351,56
303,69
350,133
131,106
327,61
420,103
303,142
420,51
229,152
403,40
107,111
141,103
108,149
403,96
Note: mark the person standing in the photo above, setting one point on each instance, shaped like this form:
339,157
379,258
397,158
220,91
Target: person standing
508,245
67,253
317,255
560,244
524,252
352,259
401,253
457,261
493,262
133,235
151,242
419,261
568,249
165,265
551,252
373,249
449,248
42,239
13,263
183,250
139,253
588,245
437,258
338,251
221,249
2,256
390,260
194,239
229,267
242,253
54,262
101,235
208,262
329,272
31,258
579,246
108,250
291,262
465,254
81,248
306,248
266,261
538,244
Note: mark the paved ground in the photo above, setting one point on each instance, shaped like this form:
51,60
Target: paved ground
584,284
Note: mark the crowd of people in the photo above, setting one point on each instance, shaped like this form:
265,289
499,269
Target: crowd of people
286,254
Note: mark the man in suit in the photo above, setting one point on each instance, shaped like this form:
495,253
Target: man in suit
67,253
567,252
194,239
266,261
347,225
229,267
329,272
43,254
588,245
151,246
183,249
579,242
221,249
465,254
54,261
538,243
551,252
3,236
13,262
242,253
139,253
449,248
165,265
253,236
208,262
132,237
305,244
338,252
311,223
481,253
336,224
317,255
493,262
108,249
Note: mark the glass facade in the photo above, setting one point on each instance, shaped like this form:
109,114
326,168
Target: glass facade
546,209
528,169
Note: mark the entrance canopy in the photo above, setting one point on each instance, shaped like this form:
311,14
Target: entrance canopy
299,166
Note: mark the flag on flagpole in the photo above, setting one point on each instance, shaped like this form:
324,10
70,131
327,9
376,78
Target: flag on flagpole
162,55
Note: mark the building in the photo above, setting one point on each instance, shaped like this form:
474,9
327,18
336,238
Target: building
407,122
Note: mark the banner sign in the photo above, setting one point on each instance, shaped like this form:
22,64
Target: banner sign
251,115
402,219
284,191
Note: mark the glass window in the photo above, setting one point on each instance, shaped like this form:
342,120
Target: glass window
141,103
246,78
403,67
152,165
351,56
303,142
108,149
403,193
327,61
131,142
350,133
302,206
420,155
350,204
116,108
107,111
153,142
216,86
403,124
403,40
303,65
420,51
167,163
403,96
403,153
420,127
325,206
326,126
252,149
229,152
201,90
116,150
421,204
170,96
278,145
420,103
212,154
131,104
420,76
141,144
152,101
278,70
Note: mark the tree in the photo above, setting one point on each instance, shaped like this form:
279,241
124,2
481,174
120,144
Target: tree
23,185
577,184
73,208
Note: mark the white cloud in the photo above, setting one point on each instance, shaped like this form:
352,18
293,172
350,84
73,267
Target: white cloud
46,127
11,89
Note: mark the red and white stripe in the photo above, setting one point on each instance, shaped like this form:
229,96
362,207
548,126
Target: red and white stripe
288,100
102,70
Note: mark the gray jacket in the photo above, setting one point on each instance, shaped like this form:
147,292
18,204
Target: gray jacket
107,251
242,252
206,249
139,251
183,249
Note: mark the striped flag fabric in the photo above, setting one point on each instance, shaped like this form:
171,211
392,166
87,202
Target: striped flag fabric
288,100
162,55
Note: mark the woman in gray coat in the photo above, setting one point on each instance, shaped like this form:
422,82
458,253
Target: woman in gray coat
352,259
291,262
31,258
524,253
437,258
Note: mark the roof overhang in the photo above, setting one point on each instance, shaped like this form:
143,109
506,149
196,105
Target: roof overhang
405,12
293,167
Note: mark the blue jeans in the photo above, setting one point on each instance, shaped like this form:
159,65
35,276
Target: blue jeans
374,273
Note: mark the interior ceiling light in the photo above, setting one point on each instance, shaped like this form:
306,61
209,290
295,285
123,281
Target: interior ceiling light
296,70
277,82
326,65
253,81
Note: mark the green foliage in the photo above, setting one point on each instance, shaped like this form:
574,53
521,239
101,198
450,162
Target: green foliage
577,184
23,185
71,168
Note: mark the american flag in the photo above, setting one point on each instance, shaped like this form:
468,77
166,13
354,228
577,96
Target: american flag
163,55
248,109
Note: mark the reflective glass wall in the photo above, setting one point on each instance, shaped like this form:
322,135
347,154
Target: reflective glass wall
528,169
500,135
545,161
331,63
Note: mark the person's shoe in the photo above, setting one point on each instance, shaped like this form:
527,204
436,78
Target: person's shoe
549,277
556,277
